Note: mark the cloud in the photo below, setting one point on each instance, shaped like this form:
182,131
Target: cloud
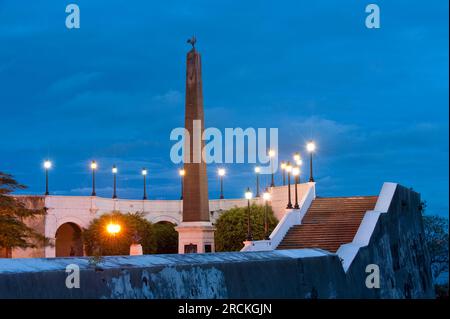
19,30
171,97
73,82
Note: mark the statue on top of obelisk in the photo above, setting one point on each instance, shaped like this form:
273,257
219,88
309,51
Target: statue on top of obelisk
192,41
196,233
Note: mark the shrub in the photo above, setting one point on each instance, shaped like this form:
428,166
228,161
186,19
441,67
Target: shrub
134,229
231,227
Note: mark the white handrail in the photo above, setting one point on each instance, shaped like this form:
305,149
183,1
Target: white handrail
291,218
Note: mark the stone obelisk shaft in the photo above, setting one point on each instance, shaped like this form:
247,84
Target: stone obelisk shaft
195,192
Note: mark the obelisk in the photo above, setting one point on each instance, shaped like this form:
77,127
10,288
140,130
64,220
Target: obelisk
196,233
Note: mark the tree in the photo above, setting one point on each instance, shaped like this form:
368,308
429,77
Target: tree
166,238
436,239
14,232
134,229
231,227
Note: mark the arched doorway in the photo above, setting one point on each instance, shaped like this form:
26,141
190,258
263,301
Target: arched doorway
166,238
68,240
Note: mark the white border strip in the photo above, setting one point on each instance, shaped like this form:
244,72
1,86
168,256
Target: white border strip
348,252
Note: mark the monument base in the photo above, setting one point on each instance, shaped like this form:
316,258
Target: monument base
195,237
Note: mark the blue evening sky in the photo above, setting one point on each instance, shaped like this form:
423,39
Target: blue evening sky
375,100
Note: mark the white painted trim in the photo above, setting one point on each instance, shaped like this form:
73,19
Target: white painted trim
385,198
348,252
366,228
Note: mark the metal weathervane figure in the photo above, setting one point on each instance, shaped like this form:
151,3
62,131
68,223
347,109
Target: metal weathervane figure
192,41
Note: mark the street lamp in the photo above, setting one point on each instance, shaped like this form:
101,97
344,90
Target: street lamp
289,170
271,156
114,172
221,173
182,172
299,162
144,174
257,171
47,166
94,167
266,197
298,159
248,196
311,148
113,229
283,169
296,173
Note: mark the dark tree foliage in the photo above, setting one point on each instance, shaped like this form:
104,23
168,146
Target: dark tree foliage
231,227
134,229
166,238
14,233
436,237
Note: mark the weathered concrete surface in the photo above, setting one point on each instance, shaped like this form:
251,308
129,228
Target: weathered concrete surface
396,246
279,274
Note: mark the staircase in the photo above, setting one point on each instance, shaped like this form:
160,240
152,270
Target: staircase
329,223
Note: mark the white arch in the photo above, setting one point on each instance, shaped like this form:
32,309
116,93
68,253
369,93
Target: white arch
70,219
76,227
165,218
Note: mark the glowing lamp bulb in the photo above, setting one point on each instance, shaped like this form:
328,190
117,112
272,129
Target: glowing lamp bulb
144,172
182,172
288,167
311,147
257,169
248,194
114,170
266,196
94,165
113,229
221,172
295,171
47,164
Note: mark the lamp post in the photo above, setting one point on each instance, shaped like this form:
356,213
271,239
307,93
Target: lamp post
296,173
257,171
144,174
299,162
182,172
271,156
94,167
248,196
283,169
266,197
311,147
47,166
221,173
114,172
288,170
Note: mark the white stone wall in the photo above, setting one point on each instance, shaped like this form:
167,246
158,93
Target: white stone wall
81,210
